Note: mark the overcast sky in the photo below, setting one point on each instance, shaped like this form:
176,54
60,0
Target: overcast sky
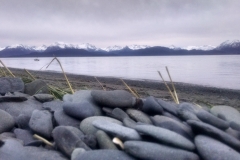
119,22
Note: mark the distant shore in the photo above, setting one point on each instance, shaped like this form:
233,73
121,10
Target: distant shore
204,96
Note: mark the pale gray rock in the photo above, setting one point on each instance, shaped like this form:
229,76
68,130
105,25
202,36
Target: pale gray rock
139,116
212,149
124,133
166,136
53,105
103,154
87,127
128,122
80,110
36,87
41,123
230,113
26,136
82,96
9,84
167,106
154,151
114,99
6,121
119,114
76,153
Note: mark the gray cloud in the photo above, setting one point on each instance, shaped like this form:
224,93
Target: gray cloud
120,22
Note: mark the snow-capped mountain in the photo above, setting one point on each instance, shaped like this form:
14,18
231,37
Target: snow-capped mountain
136,47
203,48
174,47
112,48
229,44
20,46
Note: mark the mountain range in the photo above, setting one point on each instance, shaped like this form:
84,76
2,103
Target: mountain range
61,49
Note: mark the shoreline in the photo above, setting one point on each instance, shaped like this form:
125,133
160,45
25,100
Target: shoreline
202,95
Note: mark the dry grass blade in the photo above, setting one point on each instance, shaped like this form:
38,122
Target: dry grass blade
55,58
197,105
30,74
174,89
130,89
100,83
2,71
7,68
118,142
167,87
43,140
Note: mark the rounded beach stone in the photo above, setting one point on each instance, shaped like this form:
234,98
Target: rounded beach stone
119,114
80,96
230,113
139,116
68,138
173,125
211,149
37,86
151,106
76,153
6,121
53,105
166,136
128,122
124,133
206,129
22,121
104,141
43,97
62,119
167,106
80,110
103,154
87,127
41,123
114,99
26,136
154,151
212,120
9,84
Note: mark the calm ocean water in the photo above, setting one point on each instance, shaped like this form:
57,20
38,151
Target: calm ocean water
217,71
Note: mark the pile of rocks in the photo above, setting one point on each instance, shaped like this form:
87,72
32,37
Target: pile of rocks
106,125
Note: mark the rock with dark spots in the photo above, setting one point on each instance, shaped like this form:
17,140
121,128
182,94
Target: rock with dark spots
11,85
104,141
90,140
35,87
103,154
82,96
12,99
22,121
206,129
167,106
173,125
6,121
43,97
27,137
128,122
235,126
62,119
212,149
53,105
41,123
139,116
154,151
16,108
124,133
68,138
166,136
80,110
230,113
151,106
212,120
114,99
119,114
87,127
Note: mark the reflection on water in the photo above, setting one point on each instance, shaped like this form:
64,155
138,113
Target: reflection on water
218,71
